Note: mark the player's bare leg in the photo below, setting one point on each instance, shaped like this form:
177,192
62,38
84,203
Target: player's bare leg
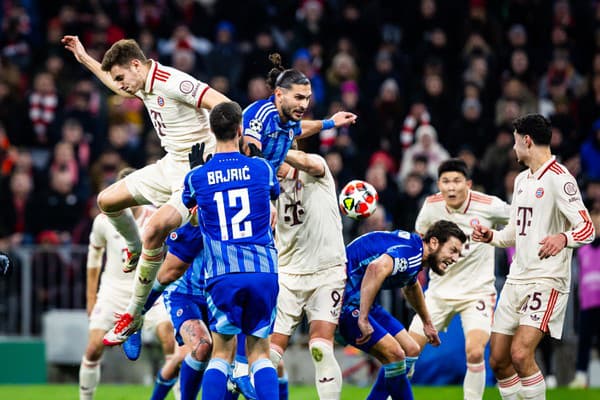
509,382
524,344
167,375
474,383
279,343
261,368
328,375
198,343
115,202
412,349
392,379
166,219
89,370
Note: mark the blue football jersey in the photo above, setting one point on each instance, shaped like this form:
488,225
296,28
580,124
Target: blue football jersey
187,244
233,194
261,121
406,249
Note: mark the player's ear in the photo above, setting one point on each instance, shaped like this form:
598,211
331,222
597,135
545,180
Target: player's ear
469,183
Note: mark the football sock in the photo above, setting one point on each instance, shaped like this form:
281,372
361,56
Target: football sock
282,383
162,387
214,384
190,377
89,377
378,391
155,292
265,379
410,364
474,383
328,375
533,387
396,382
124,223
145,274
509,387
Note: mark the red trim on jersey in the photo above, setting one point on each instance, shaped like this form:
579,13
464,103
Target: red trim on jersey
544,171
153,75
482,198
584,215
434,198
584,232
468,202
161,75
201,96
549,310
557,169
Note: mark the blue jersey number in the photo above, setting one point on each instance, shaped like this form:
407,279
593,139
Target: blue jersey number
239,228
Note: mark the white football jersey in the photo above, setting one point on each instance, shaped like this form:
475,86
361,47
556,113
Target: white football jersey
473,274
309,227
544,203
105,236
173,100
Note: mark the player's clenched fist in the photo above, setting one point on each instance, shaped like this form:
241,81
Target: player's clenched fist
482,234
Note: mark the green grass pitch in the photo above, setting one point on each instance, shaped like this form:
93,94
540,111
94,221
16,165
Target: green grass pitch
134,392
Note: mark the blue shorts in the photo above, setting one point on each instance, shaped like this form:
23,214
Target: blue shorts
184,307
186,242
244,302
381,321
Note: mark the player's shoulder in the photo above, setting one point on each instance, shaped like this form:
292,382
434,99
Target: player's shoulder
556,174
261,110
481,198
436,198
171,79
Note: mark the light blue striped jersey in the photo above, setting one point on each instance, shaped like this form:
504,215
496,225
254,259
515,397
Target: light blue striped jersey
261,121
187,244
233,194
404,248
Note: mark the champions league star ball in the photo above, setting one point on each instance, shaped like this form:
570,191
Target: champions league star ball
358,199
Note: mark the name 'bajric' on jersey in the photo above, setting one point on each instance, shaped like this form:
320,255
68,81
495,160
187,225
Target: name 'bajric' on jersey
228,175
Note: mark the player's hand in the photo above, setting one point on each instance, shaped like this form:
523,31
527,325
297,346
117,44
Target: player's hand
73,44
5,264
552,245
342,118
196,155
254,151
482,234
431,334
273,220
366,329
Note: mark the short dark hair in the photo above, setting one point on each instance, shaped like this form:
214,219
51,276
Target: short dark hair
225,118
444,230
278,76
453,165
536,126
121,53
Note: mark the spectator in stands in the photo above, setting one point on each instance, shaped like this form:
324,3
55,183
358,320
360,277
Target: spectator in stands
426,145
590,154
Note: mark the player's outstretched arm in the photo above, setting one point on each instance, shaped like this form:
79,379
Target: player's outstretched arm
308,163
73,44
340,118
414,295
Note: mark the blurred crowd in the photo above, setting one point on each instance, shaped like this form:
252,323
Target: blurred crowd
428,79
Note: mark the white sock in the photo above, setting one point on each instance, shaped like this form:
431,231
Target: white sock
474,383
124,223
510,387
533,387
89,377
145,274
240,369
275,355
328,375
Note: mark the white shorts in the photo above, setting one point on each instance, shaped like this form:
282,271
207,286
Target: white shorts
108,303
534,304
319,295
475,313
160,183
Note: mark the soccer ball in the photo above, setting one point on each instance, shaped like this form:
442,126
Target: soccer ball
358,199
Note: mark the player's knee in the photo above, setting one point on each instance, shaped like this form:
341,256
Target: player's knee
94,351
412,349
499,363
394,354
275,355
320,350
201,347
105,204
519,356
475,355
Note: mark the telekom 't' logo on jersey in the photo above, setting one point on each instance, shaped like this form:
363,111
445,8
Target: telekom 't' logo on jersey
524,215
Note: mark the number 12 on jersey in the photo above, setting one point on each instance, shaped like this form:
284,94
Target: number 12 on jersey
239,228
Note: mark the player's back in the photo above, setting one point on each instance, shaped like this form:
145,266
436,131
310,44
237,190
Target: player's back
261,121
405,248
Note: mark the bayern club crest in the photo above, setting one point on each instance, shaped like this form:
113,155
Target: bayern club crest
539,193
160,101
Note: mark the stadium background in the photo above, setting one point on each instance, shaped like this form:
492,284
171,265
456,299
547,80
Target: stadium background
427,79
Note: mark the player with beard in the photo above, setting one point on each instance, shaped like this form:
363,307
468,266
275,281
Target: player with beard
272,124
385,260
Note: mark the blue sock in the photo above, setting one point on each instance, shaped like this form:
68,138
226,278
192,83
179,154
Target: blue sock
410,362
378,391
240,354
155,293
190,377
265,379
282,382
162,387
396,382
214,384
